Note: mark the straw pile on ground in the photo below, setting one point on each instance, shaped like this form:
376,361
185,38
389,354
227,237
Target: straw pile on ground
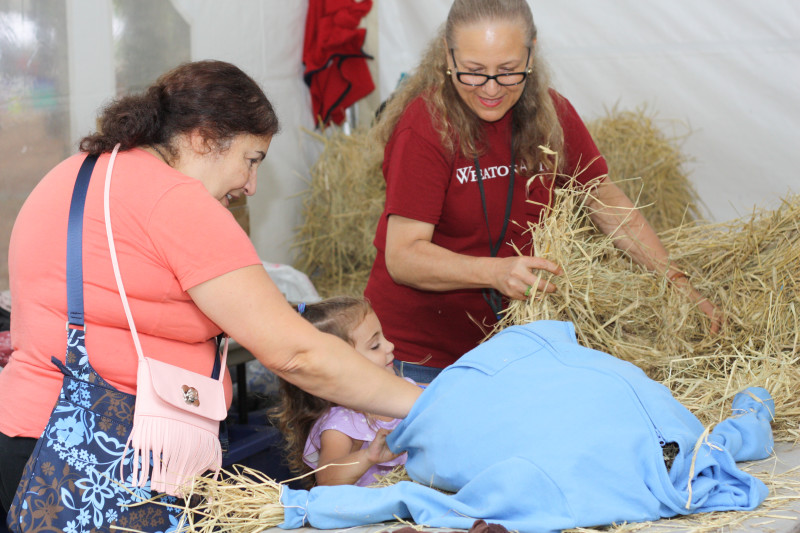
240,500
648,165
341,211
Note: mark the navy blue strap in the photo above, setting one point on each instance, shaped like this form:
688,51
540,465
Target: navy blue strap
218,358
75,243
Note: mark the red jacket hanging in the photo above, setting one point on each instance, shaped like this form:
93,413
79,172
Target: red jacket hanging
335,65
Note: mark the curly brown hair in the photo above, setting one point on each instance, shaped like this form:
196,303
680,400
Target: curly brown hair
297,410
213,97
534,118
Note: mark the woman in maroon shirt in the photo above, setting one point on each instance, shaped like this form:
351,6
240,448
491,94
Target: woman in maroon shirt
465,175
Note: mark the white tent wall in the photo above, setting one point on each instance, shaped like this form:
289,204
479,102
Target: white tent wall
727,70
90,67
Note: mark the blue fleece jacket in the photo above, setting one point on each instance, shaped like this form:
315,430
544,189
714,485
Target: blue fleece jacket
537,433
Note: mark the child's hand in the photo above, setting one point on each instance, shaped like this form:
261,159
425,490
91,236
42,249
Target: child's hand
378,451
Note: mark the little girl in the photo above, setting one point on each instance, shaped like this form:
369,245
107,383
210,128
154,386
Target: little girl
320,433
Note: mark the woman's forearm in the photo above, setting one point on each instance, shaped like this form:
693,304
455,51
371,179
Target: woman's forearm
413,260
616,216
427,266
330,371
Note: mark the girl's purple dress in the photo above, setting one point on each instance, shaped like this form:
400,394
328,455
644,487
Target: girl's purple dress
356,426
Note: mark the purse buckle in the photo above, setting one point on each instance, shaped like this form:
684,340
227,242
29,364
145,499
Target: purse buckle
191,396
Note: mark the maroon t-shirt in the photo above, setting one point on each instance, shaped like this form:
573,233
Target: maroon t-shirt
426,183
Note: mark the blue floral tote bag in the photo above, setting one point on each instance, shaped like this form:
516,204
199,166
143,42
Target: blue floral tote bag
71,482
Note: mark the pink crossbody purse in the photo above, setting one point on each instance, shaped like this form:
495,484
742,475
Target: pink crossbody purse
177,414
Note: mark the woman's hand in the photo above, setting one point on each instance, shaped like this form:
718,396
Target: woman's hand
378,451
519,277
682,283
413,260
712,312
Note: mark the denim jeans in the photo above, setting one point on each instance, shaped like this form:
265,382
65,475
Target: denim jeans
419,373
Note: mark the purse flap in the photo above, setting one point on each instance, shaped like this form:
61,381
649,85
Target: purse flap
187,390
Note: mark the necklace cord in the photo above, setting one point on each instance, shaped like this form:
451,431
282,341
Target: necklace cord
492,296
160,153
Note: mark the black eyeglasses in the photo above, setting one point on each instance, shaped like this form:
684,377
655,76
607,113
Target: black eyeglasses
473,79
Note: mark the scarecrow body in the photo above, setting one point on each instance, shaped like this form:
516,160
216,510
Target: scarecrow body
537,433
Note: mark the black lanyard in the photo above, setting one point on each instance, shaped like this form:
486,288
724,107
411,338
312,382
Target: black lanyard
491,296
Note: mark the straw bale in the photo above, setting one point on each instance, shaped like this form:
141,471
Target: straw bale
341,211
648,165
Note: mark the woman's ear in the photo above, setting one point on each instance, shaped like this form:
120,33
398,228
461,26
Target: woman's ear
198,143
